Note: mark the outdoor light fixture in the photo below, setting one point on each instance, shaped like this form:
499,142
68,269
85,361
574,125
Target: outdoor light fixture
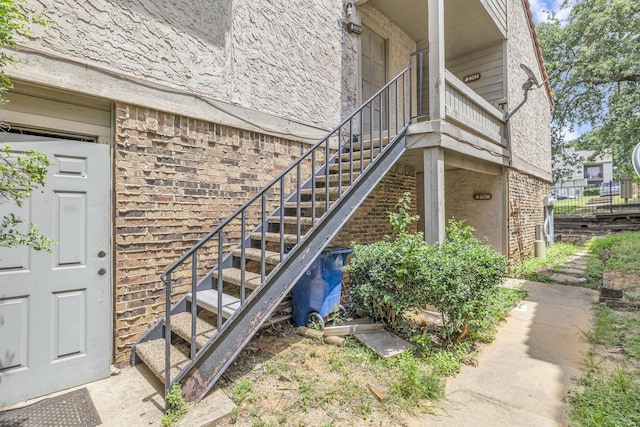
530,84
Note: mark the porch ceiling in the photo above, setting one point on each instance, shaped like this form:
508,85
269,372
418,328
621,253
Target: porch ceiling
467,24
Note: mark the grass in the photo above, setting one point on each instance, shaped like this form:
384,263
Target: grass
609,388
556,255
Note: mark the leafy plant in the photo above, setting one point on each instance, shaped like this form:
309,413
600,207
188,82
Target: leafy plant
241,390
13,20
467,277
388,278
403,274
19,175
177,407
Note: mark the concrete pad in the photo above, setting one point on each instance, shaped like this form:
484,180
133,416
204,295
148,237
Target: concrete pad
522,377
571,271
134,398
561,278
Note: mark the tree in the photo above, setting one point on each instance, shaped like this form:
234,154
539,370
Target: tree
19,174
593,59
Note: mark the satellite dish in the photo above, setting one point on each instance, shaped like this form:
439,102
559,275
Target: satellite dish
635,159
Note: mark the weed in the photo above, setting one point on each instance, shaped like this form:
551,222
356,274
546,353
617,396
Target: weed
241,390
282,419
413,383
607,400
556,255
233,417
177,407
336,363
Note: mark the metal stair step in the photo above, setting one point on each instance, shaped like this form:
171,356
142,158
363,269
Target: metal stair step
366,145
366,154
333,191
209,301
335,167
292,220
181,326
333,178
275,237
255,254
234,276
320,205
152,354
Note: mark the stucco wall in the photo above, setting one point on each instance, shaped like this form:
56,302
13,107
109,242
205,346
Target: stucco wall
279,57
486,216
529,128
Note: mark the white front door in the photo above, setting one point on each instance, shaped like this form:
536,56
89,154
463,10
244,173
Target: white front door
55,307
373,59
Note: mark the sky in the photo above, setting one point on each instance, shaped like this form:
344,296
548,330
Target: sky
540,8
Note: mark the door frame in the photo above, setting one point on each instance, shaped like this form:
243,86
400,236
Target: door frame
382,33
46,111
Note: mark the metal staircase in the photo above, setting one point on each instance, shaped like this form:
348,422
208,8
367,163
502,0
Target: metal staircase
233,280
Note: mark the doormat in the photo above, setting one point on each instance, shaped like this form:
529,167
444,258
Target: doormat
73,409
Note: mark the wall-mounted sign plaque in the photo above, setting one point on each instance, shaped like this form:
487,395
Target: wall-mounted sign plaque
471,77
482,196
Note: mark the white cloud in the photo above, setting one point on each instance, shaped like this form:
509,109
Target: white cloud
570,135
542,8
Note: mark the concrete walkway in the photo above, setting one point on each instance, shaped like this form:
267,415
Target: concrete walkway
134,398
522,377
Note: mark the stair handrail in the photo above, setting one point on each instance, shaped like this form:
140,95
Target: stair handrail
275,180
407,107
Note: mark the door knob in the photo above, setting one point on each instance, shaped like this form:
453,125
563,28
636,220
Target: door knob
101,254
102,271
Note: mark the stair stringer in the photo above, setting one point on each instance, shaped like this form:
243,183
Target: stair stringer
213,360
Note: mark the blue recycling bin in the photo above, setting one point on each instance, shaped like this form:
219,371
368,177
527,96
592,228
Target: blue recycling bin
317,293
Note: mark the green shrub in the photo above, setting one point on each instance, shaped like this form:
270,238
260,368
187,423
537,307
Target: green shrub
467,276
591,192
388,278
403,274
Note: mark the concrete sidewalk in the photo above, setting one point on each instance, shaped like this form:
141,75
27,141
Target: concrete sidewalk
522,377
134,398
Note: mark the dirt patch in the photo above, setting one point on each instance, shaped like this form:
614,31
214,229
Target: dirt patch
284,379
620,290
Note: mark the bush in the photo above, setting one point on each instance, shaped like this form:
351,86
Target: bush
388,277
403,274
467,276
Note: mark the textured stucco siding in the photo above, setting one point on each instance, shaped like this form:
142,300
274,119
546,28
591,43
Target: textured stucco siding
279,57
529,128
486,216
286,58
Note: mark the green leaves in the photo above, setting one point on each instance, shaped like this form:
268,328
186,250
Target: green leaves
13,20
19,175
594,62
393,278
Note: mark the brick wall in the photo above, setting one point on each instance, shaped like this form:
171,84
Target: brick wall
175,179
370,222
526,195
